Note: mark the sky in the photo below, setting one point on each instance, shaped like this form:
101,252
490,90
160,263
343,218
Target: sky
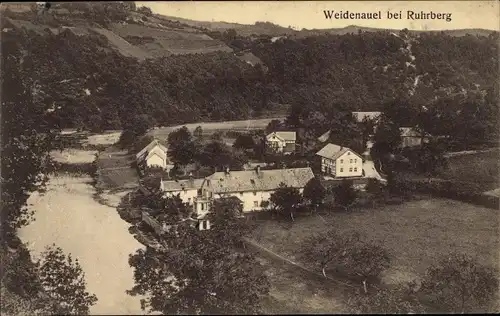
309,14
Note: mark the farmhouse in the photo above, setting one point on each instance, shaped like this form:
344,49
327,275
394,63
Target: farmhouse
340,162
252,187
153,155
187,190
281,142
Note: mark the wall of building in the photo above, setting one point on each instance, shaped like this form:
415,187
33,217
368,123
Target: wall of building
186,196
349,165
155,160
328,166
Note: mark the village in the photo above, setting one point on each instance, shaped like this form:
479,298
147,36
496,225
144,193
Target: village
254,185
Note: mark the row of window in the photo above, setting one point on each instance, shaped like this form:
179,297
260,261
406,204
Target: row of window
350,169
350,160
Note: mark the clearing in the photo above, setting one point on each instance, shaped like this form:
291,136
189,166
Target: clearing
415,233
213,127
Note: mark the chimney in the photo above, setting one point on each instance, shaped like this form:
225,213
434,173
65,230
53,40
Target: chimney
257,169
227,170
191,179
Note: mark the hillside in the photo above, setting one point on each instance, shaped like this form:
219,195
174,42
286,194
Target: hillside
135,34
270,29
113,67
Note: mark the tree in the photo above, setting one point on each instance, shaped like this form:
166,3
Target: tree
228,225
198,275
181,148
345,194
145,10
357,258
244,141
314,192
387,137
64,281
286,200
398,300
198,134
273,126
458,284
133,129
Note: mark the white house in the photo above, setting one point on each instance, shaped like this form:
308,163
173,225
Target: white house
340,162
187,190
282,142
252,187
153,155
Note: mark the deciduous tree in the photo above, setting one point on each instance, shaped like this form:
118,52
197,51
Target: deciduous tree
458,284
286,200
64,281
315,192
345,194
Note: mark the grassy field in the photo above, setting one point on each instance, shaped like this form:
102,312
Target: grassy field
480,168
294,292
415,233
115,171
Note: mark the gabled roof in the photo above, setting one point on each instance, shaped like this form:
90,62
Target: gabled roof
326,136
332,151
150,146
286,136
179,185
264,180
370,115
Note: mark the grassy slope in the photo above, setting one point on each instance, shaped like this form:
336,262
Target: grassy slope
479,168
415,233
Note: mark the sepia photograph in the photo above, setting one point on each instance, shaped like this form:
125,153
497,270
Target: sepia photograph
250,157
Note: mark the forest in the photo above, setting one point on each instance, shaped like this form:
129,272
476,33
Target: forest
93,87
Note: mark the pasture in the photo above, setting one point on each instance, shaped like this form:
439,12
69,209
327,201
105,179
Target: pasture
415,233
480,168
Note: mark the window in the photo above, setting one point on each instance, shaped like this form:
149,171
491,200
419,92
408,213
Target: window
355,169
255,203
341,169
348,153
341,160
241,193
208,182
202,206
350,169
254,193
350,160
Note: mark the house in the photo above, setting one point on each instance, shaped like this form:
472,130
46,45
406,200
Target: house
410,137
252,187
360,116
281,142
340,162
187,189
153,155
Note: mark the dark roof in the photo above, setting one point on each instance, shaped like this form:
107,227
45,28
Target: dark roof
264,180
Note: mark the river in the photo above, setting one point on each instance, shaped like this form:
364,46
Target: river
68,216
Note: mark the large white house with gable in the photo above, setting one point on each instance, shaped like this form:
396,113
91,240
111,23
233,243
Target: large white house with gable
340,162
